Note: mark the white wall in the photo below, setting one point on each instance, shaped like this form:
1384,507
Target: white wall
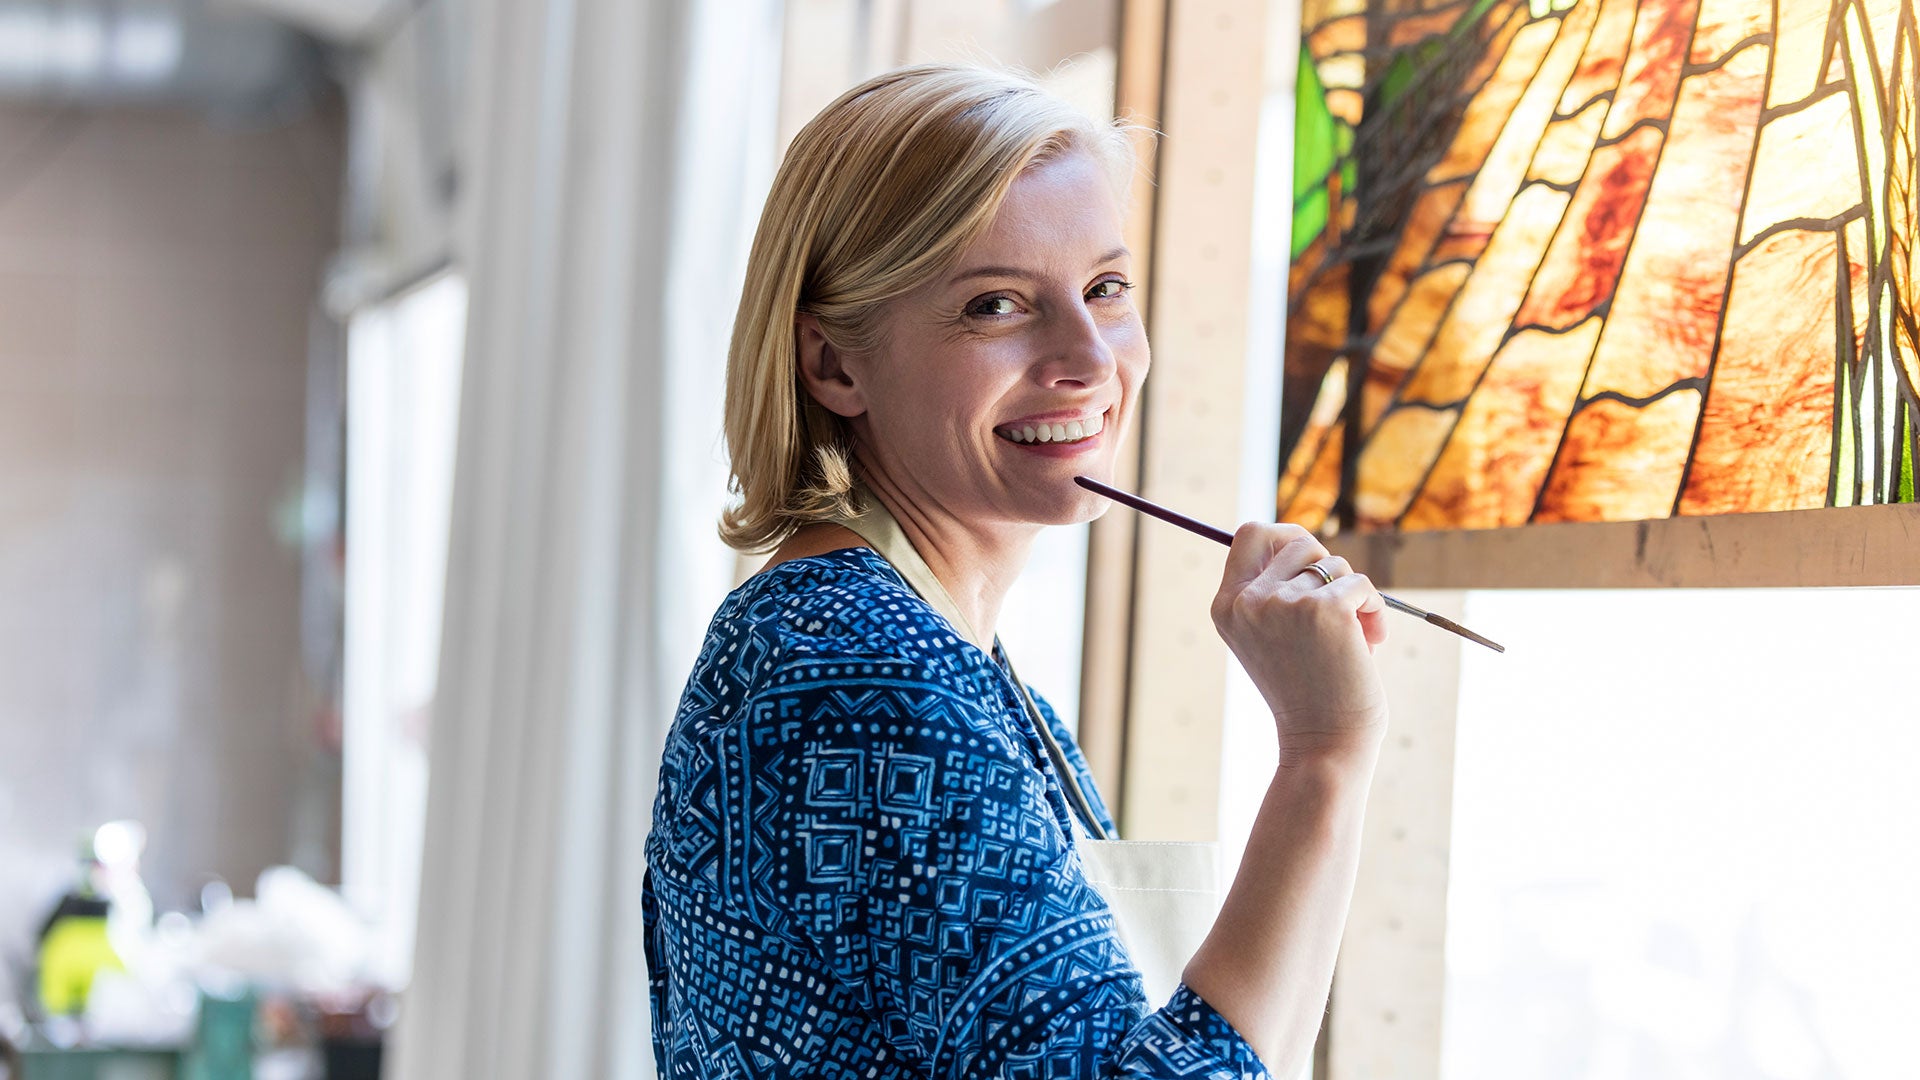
155,282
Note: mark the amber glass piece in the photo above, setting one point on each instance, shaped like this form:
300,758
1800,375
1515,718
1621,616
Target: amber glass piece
1567,146
1903,216
1511,17
1666,310
1330,399
1310,506
1395,460
1317,13
1487,113
1505,167
1799,44
1487,302
1582,264
1348,105
1317,319
1766,430
1406,337
1858,276
1411,28
1882,17
1490,472
1805,167
1599,70
1620,462
1652,69
1431,212
1868,116
1722,24
1345,34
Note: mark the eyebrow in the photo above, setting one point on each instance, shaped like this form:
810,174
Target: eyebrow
1017,272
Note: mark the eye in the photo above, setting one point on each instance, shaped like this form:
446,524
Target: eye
1110,289
992,305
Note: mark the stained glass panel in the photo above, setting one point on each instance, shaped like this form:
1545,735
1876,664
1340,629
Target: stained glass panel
1598,260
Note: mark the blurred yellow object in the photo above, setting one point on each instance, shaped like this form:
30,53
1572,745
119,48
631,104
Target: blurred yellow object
74,949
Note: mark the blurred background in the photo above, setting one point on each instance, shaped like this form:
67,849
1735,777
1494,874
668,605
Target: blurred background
360,369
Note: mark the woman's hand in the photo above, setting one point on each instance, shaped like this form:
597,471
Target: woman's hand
1306,642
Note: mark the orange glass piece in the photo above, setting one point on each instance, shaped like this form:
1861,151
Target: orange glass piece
1487,302
1500,175
1651,72
1803,169
1345,34
1487,113
1431,212
1599,70
1313,503
1328,403
1490,471
1666,311
1395,461
1799,45
1317,321
1582,264
1567,146
1903,215
1619,462
1411,28
1723,24
1858,278
1766,432
1348,105
1407,336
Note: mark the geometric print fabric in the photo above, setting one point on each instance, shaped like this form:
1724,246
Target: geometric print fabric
862,863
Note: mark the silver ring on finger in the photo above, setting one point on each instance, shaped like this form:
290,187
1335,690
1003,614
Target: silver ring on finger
1326,576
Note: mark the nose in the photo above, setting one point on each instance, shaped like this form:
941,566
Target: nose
1077,353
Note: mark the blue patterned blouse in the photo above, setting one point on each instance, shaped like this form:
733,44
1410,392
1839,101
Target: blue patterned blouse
861,862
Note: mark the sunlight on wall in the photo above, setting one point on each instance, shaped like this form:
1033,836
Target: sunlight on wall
1686,837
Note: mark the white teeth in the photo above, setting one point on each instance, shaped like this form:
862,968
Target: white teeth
1072,431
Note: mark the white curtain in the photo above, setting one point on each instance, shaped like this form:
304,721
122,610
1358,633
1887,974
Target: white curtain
615,153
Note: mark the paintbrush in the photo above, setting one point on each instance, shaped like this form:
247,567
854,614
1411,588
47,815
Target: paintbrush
1201,528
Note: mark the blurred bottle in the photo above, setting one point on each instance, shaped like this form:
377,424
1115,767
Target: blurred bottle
75,944
105,922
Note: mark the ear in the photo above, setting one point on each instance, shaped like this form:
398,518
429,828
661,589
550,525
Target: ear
823,372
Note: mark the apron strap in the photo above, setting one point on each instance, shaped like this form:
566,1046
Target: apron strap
876,525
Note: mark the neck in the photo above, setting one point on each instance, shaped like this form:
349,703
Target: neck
975,564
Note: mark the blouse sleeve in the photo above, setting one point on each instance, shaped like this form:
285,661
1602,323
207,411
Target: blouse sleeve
907,835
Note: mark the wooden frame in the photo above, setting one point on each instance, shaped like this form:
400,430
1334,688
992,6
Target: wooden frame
1214,89
1855,545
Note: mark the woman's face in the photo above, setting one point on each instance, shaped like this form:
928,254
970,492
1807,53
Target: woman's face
1003,378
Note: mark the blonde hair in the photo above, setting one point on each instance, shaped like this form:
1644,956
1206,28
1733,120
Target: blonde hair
877,195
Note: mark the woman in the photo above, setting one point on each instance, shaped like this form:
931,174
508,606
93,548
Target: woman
865,849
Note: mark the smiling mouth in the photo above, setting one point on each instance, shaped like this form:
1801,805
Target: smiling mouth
1070,432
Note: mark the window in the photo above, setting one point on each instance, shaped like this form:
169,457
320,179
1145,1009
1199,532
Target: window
403,392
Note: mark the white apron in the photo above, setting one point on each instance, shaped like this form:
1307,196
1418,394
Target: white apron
1164,896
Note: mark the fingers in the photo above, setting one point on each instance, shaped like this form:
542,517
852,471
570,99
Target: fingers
1323,571
1259,547
1288,559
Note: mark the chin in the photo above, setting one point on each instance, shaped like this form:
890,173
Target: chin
1082,507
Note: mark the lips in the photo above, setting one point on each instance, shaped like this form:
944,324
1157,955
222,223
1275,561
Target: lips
1077,429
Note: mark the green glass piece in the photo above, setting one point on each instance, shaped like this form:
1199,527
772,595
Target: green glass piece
1316,154
1904,490
1309,219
